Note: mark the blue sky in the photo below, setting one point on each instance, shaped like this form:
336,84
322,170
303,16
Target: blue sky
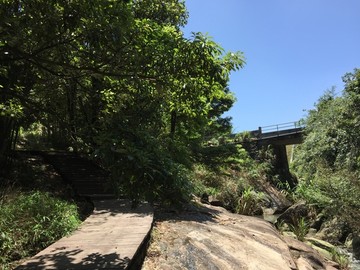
294,49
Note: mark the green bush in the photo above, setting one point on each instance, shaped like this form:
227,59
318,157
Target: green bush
313,193
30,222
232,178
327,162
216,156
231,187
230,193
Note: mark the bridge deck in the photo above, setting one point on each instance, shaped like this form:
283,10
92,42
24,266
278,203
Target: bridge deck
108,239
280,133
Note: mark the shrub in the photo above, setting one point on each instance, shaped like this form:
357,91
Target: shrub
145,169
216,156
229,194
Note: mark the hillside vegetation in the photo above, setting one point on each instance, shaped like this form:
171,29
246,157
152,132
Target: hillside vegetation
117,81
328,161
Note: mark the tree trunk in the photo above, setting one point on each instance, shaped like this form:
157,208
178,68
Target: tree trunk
71,107
173,124
6,142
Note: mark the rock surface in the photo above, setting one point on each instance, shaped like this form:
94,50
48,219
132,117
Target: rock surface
323,247
333,231
208,237
294,213
277,199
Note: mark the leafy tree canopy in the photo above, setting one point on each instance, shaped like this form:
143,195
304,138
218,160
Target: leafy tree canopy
116,79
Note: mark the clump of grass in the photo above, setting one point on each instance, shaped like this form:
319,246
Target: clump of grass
340,258
281,226
30,222
249,202
300,227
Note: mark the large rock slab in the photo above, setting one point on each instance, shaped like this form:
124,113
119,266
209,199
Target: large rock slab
212,238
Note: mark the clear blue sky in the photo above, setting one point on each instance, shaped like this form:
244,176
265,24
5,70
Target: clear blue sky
294,49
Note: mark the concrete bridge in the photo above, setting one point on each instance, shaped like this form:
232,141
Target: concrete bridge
278,136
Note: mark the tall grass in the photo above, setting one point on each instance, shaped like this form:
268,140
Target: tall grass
30,222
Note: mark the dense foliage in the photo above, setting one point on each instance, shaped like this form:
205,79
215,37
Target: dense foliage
328,161
115,79
227,173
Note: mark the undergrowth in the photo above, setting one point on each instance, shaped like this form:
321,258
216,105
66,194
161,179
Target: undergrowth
36,209
341,258
30,222
232,180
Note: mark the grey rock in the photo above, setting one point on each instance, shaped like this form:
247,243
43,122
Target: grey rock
333,231
356,247
294,213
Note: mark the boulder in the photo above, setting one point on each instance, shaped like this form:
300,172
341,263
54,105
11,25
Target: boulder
294,213
323,247
348,241
205,198
274,198
215,201
319,220
320,243
333,231
303,264
307,257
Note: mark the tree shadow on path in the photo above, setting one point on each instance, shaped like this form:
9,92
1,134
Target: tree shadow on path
67,260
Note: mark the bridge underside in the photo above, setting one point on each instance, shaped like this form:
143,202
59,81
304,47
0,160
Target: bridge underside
278,140
288,139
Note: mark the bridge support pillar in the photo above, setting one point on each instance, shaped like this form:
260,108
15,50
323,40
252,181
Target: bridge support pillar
282,166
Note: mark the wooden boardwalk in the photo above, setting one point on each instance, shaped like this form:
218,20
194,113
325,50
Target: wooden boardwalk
111,238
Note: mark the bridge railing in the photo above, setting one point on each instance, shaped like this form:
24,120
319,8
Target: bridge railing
268,132
281,127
